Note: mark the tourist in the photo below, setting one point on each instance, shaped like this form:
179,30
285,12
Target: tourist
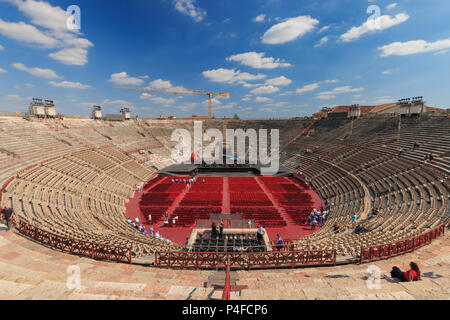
149,218
358,229
173,181
260,233
7,213
400,151
416,145
221,226
314,224
413,274
431,157
137,220
213,230
151,230
354,218
249,223
279,242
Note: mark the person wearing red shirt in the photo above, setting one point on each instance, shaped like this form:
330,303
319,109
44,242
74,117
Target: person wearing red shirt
413,274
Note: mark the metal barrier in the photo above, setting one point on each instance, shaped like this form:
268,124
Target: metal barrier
73,246
386,251
227,288
276,259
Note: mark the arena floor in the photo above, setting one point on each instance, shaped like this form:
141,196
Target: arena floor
225,195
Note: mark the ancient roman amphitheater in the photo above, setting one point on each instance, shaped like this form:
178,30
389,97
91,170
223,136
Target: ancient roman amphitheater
74,183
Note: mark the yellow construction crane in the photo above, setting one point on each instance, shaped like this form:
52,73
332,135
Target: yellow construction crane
210,94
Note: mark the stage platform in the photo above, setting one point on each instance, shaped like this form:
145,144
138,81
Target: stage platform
219,170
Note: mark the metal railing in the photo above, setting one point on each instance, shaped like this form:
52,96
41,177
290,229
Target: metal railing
255,260
74,246
388,250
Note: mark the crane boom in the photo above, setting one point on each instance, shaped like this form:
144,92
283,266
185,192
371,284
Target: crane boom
210,94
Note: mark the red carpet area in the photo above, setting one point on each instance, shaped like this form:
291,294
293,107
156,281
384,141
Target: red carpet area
280,204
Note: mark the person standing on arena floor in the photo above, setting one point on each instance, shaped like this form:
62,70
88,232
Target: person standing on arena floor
149,218
260,233
213,230
314,224
221,226
279,242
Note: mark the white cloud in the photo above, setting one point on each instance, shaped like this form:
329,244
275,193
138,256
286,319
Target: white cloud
386,72
332,81
160,84
257,60
230,76
71,56
38,72
289,30
226,106
265,90
44,15
325,28
123,78
13,97
68,84
188,8
378,24
391,6
325,96
339,90
2,48
267,110
279,81
161,100
246,99
3,70
145,96
413,47
260,18
321,42
308,88
56,34
441,52
262,99
23,32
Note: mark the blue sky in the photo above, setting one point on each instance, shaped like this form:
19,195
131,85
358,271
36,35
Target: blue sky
277,58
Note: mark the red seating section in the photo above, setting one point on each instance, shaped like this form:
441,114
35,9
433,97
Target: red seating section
245,195
291,197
